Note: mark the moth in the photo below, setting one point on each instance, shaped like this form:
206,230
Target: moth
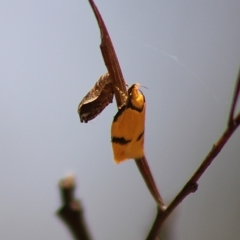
127,131
96,99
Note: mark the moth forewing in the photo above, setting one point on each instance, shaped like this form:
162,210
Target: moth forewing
96,99
127,132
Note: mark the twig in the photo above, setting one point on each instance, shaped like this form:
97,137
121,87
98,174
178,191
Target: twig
110,58
192,185
149,180
71,212
234,101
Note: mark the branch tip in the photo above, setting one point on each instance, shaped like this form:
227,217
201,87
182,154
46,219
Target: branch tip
234,101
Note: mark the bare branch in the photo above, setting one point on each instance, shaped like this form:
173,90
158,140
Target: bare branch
149,180
191,185
234,101
110,58
71,212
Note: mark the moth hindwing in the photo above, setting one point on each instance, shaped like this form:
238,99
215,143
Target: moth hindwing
96,99
127,132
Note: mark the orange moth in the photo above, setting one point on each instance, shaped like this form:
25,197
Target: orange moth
127,132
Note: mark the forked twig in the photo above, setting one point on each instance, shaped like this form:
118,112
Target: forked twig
114,70
192,185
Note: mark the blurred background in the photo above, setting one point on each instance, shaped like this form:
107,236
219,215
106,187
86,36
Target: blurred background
186,53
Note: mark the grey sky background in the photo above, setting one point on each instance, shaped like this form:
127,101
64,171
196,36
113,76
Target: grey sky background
186,52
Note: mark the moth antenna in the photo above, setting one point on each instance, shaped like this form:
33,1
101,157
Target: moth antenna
140,85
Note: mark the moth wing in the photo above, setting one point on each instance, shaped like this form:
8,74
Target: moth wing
128,126
136,148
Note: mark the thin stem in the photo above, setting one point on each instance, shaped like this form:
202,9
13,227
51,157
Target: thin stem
149,180
110,58
234,101
191,185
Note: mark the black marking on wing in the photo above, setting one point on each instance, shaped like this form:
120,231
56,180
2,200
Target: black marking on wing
119,113
129,102
127,105
130,89
121,141
130,105
140,136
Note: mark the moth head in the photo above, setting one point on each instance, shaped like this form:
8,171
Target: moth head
135,96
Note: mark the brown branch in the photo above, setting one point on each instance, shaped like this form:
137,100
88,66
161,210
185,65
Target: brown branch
71,212
144,169
110,58
234,101
192,185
